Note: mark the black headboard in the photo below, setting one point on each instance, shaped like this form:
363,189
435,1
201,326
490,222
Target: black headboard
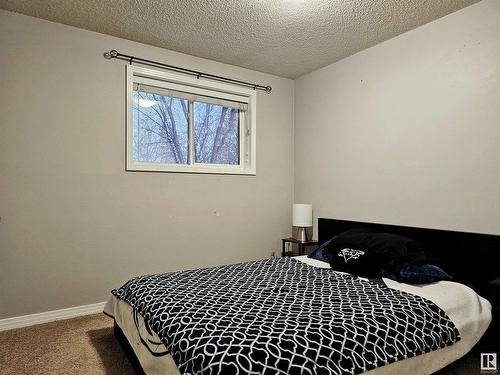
471,258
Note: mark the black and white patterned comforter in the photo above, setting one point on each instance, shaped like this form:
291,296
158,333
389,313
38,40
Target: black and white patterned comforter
282,316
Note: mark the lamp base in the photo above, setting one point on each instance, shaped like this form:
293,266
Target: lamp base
301,234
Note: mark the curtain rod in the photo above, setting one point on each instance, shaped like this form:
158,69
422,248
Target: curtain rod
114,54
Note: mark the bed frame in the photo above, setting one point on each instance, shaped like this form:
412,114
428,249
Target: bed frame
471,258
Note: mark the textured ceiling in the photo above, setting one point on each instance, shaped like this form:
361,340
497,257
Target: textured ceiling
284,37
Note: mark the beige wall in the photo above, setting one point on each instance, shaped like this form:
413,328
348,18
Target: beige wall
73,223
408,131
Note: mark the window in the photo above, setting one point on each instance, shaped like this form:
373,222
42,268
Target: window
177,123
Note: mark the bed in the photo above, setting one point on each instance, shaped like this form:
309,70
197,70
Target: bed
454,315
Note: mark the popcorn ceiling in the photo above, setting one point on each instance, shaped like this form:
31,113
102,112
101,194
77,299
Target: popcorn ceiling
287,38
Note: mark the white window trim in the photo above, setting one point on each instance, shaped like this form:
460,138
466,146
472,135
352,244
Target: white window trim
169,80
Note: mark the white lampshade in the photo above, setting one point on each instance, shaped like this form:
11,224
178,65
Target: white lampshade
302,215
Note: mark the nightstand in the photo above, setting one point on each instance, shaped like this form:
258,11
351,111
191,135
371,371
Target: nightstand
302,245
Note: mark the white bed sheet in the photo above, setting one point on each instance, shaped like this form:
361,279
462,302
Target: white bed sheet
470,313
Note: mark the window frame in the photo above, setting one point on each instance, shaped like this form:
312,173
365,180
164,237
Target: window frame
177,81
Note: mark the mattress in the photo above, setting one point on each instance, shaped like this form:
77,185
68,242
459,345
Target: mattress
470,313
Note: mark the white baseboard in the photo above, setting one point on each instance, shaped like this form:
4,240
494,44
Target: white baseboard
50,316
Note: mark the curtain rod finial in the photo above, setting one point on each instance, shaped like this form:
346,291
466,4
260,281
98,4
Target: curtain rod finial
269,89
111,54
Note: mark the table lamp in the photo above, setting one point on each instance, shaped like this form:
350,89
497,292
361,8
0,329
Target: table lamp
302,218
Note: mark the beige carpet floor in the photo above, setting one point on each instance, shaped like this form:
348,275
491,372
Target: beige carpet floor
86,345
83,345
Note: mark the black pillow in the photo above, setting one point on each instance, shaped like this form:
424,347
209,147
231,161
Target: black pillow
357,262
379,253
422,274
322,253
